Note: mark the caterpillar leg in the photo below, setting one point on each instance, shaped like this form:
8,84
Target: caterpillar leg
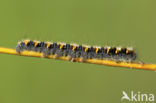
72,60
82,59
18,49
55,56
69,58
44,56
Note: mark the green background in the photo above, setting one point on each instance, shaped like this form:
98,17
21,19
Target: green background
94,22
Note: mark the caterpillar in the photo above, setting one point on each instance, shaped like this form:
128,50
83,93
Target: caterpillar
73,51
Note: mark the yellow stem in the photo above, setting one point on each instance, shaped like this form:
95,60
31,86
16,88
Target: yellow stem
134,65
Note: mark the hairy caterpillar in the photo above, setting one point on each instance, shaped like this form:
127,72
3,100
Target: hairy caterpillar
73,51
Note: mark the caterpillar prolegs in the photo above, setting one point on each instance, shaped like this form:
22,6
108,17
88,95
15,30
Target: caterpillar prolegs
73,51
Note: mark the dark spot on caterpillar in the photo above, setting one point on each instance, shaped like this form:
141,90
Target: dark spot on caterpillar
74,51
